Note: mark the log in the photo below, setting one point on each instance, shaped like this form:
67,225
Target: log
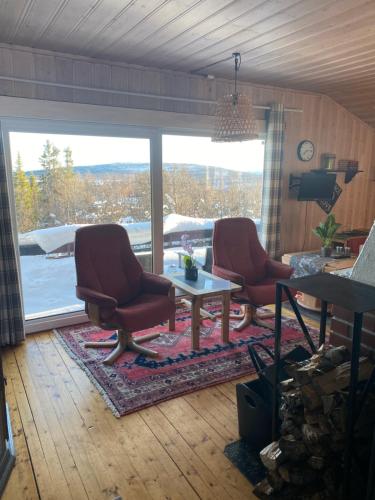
297,474
296,415
339,378
337,355
329,403
338,418
292,448
289,427
272,456
317,449
275,480
263,489
293,399
310,397
316,463
301,374
312,434
287,385
312,417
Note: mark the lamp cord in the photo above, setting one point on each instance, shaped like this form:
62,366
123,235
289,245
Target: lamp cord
237,64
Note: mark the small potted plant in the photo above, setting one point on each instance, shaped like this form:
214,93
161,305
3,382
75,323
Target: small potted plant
326,232
191,270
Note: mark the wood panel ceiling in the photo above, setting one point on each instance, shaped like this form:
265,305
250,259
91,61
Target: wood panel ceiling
324,46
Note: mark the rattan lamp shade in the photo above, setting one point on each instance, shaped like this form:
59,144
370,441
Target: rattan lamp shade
234,119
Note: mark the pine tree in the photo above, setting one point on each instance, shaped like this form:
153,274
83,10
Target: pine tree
60,186
49,159
26,192
51,184
68,159
69,185
35,201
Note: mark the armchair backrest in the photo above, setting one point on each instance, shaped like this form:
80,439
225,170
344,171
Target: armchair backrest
105,262
236,247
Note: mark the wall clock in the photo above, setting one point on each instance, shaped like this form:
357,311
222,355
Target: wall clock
305,150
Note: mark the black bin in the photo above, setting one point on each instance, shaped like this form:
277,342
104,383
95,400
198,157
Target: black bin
254,399
254,407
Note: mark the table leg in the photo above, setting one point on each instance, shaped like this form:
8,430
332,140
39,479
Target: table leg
275,407
351,403
323,322
225,317
195,322
172,318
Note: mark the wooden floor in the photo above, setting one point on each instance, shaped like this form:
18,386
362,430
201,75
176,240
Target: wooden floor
70,446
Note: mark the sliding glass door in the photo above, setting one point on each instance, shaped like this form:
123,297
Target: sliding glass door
61,182
204,181
161,188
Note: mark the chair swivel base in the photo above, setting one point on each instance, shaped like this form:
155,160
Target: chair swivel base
125,342
249,316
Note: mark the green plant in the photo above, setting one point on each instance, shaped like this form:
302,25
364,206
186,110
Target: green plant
188,259
189,262
326,230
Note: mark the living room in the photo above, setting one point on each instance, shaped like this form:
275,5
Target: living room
87,90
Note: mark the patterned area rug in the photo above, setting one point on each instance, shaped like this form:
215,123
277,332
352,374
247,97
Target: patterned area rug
135,382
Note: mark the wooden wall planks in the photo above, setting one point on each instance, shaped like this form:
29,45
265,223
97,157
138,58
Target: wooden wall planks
331,127
334,130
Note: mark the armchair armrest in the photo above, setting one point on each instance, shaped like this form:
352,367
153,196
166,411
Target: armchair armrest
97,298
152,283
278,270
228,275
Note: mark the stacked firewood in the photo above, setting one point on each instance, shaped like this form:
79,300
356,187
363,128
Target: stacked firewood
306,462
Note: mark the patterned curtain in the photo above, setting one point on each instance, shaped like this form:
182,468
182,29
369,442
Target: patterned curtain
11,314
272,178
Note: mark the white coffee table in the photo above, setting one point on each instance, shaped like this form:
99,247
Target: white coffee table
207,285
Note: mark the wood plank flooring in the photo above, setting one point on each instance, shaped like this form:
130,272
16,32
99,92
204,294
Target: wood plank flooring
70,446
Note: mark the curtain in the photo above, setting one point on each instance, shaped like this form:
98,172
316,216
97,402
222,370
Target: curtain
11,314
272,179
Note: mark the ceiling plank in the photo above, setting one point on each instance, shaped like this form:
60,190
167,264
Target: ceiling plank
325,46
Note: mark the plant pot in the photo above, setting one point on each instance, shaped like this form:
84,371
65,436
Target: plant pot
191,273
325,251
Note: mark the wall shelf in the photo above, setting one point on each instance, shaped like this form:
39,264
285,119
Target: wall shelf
350,172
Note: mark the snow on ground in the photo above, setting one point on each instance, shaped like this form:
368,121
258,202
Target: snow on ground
49,284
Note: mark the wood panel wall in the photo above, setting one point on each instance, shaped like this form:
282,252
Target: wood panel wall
331,128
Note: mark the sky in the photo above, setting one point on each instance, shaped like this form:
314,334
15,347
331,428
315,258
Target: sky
94,150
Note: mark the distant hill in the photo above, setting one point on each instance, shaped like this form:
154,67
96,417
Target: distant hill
103,169
217,176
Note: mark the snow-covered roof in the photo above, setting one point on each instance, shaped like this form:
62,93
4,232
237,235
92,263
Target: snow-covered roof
52,238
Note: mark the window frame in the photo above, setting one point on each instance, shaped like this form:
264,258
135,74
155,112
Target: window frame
87,129
37,116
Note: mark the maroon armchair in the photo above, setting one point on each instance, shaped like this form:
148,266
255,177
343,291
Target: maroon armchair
238,256
118,293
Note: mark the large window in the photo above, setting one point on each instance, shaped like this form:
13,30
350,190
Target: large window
62,182
204,181
159,187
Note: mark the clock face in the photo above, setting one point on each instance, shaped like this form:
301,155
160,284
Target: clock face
305,150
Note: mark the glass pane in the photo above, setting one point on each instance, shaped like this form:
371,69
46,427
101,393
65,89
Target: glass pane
204,181
62,182
204,284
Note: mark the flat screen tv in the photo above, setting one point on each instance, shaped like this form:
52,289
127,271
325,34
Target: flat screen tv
316,186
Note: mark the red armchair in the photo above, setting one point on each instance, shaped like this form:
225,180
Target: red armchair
238,256
118,293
